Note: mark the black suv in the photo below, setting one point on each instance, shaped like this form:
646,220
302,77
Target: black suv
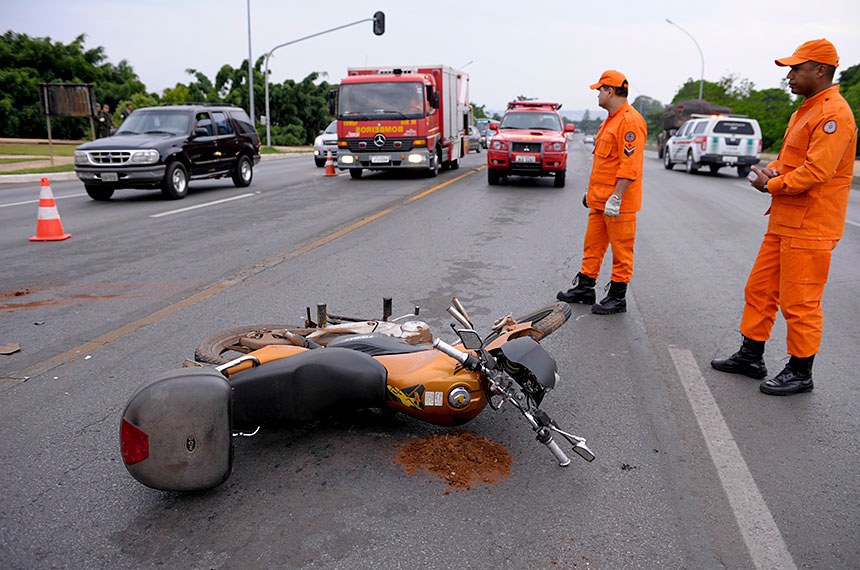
165,147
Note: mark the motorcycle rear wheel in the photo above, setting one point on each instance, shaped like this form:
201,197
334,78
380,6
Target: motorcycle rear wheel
226,345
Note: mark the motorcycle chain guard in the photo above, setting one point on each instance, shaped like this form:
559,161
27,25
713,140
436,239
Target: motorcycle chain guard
185,418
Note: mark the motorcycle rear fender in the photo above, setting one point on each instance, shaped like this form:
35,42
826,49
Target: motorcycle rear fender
175,433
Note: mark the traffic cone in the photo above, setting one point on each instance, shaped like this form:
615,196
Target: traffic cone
48,225
329,165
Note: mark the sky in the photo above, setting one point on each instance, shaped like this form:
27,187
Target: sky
546,49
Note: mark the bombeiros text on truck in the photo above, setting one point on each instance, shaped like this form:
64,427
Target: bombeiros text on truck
402,118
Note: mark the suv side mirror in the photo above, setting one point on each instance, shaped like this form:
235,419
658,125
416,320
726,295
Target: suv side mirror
435,99
332,97
199,132
494,127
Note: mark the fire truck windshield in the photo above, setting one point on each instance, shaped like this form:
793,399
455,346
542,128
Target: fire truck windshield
381,101
531,120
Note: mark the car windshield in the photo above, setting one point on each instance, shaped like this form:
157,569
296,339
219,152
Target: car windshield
156,121
381,101
331,129
530,120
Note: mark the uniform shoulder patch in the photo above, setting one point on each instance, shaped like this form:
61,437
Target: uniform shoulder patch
829,127
630,136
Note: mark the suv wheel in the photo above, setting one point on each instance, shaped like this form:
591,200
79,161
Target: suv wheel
667,162
493,177
691,166
244,172
743,171
559,178
320,162
355,173
98,192
175,183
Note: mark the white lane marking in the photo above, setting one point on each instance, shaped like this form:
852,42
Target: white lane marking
764,542
180,210
36,201
852,223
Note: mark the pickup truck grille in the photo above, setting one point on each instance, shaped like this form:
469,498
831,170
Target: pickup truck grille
525,147
354,146
109,156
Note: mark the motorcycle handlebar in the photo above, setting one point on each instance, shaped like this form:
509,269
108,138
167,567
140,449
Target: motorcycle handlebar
467,360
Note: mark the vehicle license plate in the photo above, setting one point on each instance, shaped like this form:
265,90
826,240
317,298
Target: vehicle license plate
730,159
731,149
109,177
380,159
525,158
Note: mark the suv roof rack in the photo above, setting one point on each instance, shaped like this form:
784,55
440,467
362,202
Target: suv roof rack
551,105
196,104
731,115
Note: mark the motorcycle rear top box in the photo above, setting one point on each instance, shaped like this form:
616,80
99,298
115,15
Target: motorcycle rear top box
175,433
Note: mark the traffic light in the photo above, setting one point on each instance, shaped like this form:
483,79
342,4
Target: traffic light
379,23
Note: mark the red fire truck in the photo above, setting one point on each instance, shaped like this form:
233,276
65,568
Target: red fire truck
402,117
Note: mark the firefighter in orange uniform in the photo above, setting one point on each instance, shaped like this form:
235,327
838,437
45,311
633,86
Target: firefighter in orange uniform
614,196
809,184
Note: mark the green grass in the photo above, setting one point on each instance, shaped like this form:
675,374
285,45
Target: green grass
38,149
55,168
17,160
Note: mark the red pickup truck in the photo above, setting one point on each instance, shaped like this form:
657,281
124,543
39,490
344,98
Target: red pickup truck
529,141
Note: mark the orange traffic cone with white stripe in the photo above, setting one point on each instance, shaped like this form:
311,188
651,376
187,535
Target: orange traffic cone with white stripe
48,225
329,165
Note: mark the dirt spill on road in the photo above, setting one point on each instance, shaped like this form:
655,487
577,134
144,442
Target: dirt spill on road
460,458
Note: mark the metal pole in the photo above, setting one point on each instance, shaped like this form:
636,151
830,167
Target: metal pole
250,66
702,80
268,55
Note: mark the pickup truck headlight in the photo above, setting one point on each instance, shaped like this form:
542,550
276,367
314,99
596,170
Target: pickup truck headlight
149,156
499,145
318,141
555,147
81,157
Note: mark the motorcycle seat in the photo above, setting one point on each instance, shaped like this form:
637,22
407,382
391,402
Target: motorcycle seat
376,344
308,386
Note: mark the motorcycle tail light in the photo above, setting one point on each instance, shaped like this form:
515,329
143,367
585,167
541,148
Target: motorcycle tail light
133,443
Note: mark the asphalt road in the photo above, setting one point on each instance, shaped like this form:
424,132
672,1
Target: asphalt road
694,469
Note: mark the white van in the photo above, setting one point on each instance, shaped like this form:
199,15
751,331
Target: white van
715,141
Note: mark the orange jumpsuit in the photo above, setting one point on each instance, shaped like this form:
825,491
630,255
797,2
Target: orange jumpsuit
618,153
807,217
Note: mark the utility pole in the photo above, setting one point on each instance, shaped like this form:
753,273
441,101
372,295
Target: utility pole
251,67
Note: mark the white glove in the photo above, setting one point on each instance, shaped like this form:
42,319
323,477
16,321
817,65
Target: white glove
613,206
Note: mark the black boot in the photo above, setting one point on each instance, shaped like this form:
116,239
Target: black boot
747,361
615,300
581,292
795,378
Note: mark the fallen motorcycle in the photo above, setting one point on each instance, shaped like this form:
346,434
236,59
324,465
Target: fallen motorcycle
176,431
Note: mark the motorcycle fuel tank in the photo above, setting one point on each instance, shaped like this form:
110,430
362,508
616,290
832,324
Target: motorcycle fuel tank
175,433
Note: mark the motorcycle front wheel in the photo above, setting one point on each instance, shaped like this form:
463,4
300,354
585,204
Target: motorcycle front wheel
226,345
547,320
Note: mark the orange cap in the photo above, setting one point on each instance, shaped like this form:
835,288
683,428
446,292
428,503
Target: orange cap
610,78
821,51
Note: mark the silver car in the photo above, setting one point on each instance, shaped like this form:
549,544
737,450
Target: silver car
325,142
474,139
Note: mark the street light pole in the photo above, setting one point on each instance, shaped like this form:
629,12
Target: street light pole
250,66
374,19
702,80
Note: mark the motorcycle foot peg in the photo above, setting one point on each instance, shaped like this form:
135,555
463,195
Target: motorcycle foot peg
582,450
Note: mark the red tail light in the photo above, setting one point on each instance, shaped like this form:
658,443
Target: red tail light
701,141
760,141
133,443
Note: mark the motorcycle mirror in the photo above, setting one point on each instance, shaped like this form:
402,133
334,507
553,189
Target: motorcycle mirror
471,339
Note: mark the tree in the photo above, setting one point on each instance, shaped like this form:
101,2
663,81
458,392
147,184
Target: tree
849,87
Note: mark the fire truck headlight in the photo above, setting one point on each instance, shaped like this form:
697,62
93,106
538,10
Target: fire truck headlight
415,158
347,158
